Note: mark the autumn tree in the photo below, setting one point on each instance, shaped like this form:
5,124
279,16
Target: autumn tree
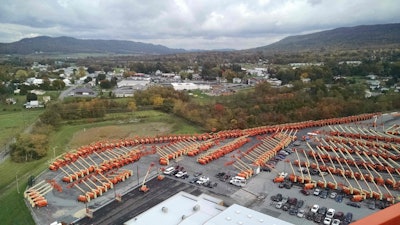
29,147
58,84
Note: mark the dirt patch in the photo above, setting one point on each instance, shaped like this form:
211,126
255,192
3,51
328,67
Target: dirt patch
115,132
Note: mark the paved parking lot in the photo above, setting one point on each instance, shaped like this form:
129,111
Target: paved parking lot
255,195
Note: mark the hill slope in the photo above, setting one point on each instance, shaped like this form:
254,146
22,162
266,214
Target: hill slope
366,36
46,44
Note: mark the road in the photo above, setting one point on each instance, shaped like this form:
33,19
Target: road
66,92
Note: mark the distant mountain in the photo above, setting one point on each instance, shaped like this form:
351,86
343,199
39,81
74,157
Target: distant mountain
345,38
66,45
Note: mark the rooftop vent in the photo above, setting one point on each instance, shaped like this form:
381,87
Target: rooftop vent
196,207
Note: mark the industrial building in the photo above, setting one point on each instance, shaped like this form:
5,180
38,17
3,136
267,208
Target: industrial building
187,209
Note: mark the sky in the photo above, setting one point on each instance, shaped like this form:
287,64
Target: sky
188,24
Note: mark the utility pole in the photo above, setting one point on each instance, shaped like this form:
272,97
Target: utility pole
54,152
16,178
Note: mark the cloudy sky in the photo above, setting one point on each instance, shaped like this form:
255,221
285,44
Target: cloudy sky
188,24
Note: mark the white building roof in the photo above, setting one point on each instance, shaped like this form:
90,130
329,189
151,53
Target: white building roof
182,208
133,82
190,86
187,209
237,214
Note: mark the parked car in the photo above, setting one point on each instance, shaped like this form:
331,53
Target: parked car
293,210
314,208
339,198
323,194
197,174
330,213
317,191
300,203
202,180
292,201
279,205
354,204
310,215
305,192
180,174
301,213
225,177
286,206
283,152
314,172
266,169
333,195
335,222
276,198
322,173
318,218
288,184
219,174
327,221
169,170
372,205
338,215
193,180
285,199
322,210
348,217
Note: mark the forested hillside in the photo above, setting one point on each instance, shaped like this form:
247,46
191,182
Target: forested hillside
65,45
345,38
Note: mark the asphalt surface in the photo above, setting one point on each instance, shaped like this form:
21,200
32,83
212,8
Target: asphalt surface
255,195
135,202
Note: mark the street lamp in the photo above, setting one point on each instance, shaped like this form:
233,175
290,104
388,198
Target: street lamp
16,178
54,151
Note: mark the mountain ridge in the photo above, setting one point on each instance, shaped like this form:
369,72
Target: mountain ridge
342,38
64,44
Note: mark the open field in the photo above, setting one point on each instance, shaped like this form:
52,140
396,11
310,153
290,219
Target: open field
69,137
14,122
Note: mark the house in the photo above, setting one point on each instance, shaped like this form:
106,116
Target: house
259,72
38,92
124,92
34,81
33,104
274,82
46,99
236,80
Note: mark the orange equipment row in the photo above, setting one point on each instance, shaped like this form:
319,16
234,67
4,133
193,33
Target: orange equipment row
219,152
307,124
35,194
109,179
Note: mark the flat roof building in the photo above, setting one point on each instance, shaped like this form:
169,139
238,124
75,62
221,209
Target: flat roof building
187,209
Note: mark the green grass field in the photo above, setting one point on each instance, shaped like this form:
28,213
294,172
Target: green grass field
13,209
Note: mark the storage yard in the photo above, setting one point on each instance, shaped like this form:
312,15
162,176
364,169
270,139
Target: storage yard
347,164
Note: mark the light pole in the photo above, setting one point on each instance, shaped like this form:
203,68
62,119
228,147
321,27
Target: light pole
16,178
54,151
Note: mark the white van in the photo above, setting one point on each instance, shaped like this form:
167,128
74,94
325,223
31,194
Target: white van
169,170
238,181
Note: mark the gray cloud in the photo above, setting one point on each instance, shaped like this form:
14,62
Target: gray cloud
205,24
